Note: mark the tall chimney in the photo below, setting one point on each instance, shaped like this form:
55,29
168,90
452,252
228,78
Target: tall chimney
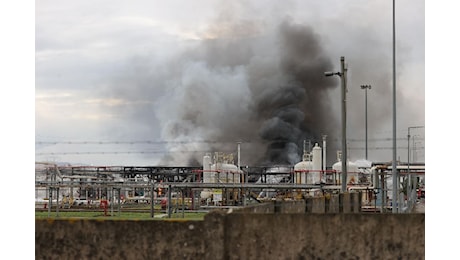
324,152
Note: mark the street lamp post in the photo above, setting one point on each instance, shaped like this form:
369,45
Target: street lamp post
366,87
394,171
343,75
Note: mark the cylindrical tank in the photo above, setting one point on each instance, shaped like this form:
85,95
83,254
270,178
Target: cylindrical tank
207,176
226,173
352,172
301,169
324,153
338,168
317,156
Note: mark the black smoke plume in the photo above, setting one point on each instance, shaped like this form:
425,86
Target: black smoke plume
267,90
245,81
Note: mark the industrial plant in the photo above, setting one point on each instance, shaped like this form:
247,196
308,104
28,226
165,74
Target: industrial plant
221,182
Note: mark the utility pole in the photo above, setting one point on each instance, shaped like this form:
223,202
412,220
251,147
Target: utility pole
366,87
344,123
343,76
394,171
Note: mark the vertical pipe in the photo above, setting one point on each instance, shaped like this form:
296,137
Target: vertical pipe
408,167
71,189
344,124
119,200
57,202
239,156
393,168
366,87
324,152
366,119
384,192
111,200
304,147
183,203
169,201
152,201
50,201
241,175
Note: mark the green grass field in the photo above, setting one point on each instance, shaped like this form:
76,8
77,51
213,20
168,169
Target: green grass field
121,215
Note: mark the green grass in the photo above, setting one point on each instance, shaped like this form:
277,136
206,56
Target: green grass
121,216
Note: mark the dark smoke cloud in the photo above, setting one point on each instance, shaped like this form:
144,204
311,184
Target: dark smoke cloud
263,86
296,108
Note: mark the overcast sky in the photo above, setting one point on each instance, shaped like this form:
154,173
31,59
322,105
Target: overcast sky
121,74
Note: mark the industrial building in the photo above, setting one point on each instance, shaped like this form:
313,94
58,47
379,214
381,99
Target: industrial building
220,183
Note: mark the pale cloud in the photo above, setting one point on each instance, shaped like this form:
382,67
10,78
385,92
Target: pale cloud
136,21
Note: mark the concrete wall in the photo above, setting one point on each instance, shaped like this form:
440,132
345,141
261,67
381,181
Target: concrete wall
330,203
237,236
324,236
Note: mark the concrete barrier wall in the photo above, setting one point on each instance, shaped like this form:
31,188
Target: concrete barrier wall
330,203
92,239
258,208
325,236
289,206
356,199
344,203
318,205
237,236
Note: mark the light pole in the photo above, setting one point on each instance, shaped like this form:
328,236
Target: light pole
343,75
366,87
394,171
409,184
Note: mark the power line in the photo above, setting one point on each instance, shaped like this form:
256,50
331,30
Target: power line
386,148
379,139
127,142
121,152
186,142
195,151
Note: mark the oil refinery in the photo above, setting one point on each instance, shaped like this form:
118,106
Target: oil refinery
220,183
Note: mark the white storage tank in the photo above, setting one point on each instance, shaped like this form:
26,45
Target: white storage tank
301,169
226,173
352,172
317,158
207,176
221,171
